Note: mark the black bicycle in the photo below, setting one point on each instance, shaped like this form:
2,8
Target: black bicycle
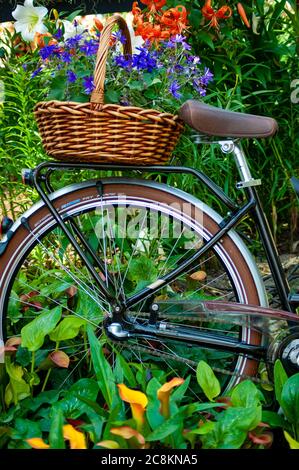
159,274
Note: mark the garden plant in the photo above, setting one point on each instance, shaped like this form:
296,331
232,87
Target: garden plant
236,55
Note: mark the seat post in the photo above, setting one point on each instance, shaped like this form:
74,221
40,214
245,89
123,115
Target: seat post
229,146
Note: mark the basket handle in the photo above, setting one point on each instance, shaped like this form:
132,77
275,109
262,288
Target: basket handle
97,96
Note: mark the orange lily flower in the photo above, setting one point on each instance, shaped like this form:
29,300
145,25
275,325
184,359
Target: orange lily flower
154,5
127,433
138,402
76,438
175,19
164,394
37,443
223,13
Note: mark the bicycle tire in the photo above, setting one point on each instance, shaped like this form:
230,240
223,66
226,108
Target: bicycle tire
76,199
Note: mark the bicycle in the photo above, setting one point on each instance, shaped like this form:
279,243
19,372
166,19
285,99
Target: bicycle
159,274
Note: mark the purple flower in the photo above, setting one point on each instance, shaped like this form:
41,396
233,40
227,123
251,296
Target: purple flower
123,61
59,34
178,39
174,89
207,76
66,57
88,85
90,47
145,60
73,42
71,76
49,51
36,72
119,36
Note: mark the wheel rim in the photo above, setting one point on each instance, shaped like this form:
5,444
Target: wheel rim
92,293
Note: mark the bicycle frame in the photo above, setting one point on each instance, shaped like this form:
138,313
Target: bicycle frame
41,176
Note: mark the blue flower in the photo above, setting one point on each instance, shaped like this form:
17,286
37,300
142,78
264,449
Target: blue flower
123,61
88,85
90,47
36,72
174,89
74,42
119,36
71,76
48,51
66,57
207,76
144,60
59,34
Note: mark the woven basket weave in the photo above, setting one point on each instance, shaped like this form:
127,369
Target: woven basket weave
95,132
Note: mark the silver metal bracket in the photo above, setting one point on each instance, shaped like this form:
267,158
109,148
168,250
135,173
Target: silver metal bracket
248,184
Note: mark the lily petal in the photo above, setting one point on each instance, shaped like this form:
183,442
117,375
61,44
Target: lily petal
127,433
108,444
76,438
132,396
37,443
164,394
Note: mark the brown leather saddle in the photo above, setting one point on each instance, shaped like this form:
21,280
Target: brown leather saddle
219,122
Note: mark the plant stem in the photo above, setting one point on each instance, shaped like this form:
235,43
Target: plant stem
32,361
46,380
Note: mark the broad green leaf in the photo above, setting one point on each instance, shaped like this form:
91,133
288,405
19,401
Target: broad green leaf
33,334
273,419
17,389
231,429
203,429
25,429
58,86
280,378
292,443
102,368
71,404
68,328
207,380
289,400
165,429
56,431
153,414
246,394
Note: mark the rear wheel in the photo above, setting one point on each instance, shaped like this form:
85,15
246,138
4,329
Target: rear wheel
140,231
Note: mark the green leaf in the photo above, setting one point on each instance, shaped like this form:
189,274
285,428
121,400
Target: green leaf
292,443
205,38
33,334
142,269
273,419
112,96
203,429
289,400
68,328
25,429
56,431
102,368
17,389
58,87
166,428
231,429
153,414
246,394
280,378
71,404
207,380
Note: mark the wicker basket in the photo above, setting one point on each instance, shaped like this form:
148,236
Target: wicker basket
106,133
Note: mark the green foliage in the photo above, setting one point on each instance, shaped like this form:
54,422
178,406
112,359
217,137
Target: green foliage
34,333
207,380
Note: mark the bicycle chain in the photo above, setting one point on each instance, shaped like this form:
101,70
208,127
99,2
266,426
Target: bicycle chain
193,363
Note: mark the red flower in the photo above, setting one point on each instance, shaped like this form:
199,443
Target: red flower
223,13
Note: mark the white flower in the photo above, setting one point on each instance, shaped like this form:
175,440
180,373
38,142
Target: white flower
29,20
136,41
70,30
